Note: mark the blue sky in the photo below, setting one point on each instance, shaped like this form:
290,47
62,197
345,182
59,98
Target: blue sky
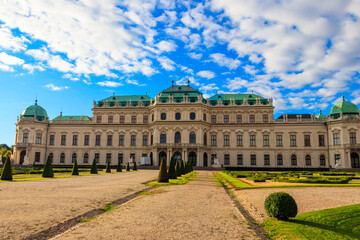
303,53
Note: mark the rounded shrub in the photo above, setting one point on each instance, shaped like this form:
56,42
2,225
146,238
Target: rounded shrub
281,205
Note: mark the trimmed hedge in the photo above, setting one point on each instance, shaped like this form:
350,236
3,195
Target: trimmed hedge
172,171
128,167
108,168
94,168
6,174
135,167
163,175
119,167
281,205
48,170
178,168
75,170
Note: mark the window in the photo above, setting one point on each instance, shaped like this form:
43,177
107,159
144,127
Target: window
321,140
97,157
108,158
73,157
132,157
279,160
152,117
293,160
352,138
205,139
292,140
239,159
226,140
178,116
152,140
98,140
307,140
192,138
213,157
109,140
213,118
122,119
253,159
204,117
322,160
265,118
163,116
252,140
192,116
62,158
110,119
133,119
279,140
266,140
51,155
308,160
239,140
25,137
213,140
98,119
162,138
177,137
120,158
145,119
336,139
52,140
63,139
252,118
226,159
121,140
226,118
86,158
37,156
38,138
266,159
337,158
145,140
239,118
75,140
133,140
86,140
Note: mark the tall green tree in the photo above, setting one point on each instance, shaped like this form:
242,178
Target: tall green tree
108,168
172,172
183,168
48,169
135,167
178,168
94,168
75,170
6,174
163,175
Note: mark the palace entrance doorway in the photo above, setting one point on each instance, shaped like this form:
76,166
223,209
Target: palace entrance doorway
205,160
355,162
22,156
192,158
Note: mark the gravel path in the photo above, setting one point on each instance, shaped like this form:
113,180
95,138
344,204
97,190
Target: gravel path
197,210
31,206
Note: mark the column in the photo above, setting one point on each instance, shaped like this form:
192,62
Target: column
198,162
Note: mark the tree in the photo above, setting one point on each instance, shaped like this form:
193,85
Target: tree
163,175
128,167
75,170
5,153
48,170
178,168
182,168
94,168
6,174
108,168
172,172
119,167
135,167
281,205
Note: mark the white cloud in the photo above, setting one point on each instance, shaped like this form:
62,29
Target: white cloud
52,87
10,60
109,84
71,77
31,68
195,55
209,87
134,82
6,68
224,61
166,46
206,74
9,42
166,63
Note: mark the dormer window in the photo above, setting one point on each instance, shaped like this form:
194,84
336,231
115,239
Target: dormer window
163,116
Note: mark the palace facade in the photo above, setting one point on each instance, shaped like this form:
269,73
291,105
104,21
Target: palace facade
235,130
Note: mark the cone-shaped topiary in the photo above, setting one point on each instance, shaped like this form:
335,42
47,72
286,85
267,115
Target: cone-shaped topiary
163,175
48,170
172,172
186,168
108,168
75,170
6,174
119,167
182,168
191,167
280,205
135,167
128,167
178,168
94,168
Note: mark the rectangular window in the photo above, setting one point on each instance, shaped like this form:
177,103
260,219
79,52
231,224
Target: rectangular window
352,138
293,140
109,140
86,140
252,140
122,119
25,137
307,140
133,119
239,140
226,118
75,140
97,157
266,159
322,160
337,158
213,118
145,140
63,139
321,140
98,140
52,140
279,140
213,157
213,140
253,159
120,158
252,118
37,156
266,140
132,157
226,140
133,140
240,159
98,119
238,118
86,158
38,138
265,118
110,119
145,119
121,140
108,158
226,159
336,139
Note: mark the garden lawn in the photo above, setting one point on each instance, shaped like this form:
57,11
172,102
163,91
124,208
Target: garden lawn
333,223
180,180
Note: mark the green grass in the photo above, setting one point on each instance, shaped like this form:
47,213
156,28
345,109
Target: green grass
108,207
180,180
334,223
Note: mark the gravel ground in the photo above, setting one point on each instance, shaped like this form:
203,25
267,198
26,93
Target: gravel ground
197,210
308,199
31,206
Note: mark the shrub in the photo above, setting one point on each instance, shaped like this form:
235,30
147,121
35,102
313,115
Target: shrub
281,205
163,175
75,170
172,172
6,174
135,167
94,168
191,168
178,168
48,170
128,167
108,168
182,168
119,167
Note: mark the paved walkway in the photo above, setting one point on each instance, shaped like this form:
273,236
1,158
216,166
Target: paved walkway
197,210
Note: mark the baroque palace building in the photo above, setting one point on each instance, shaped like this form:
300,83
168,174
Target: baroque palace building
234,130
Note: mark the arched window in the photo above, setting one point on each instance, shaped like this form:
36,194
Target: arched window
192,116
86,158
204,117
178,116
152,117
279,160
62,157
293,160
308,160
192,137
51,155
322,160
205,139
177,137
163,116
163,138
73,158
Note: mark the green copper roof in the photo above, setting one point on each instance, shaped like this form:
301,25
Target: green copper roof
321,116
344,107
178,92
72,118
35,110
124,99
239,98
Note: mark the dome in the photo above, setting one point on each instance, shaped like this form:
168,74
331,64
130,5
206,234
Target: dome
321,116
35,110
344,107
